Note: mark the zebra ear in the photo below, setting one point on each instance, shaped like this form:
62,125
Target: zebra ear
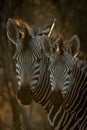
73,46
47,45
12,31
18,31
48,30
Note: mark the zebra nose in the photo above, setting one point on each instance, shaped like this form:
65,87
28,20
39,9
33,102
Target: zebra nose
56,89
25,95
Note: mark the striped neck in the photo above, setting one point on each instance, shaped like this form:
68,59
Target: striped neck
75,99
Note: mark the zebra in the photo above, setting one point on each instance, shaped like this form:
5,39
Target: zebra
31,65
67,71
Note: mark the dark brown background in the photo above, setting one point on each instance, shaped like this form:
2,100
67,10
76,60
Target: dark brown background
71,18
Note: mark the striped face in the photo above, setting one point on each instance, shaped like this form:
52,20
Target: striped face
27,57
27,68
61,63
60,72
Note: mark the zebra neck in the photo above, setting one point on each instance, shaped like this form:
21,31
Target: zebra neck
57,117
42,90
78,75
77,93
43,98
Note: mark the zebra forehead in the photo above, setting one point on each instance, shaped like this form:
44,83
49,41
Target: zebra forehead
62,59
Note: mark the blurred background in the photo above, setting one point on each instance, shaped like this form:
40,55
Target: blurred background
71,18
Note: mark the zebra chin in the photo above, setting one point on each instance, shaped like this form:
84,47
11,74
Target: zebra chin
25,95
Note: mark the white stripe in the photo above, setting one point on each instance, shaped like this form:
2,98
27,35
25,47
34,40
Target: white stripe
59,123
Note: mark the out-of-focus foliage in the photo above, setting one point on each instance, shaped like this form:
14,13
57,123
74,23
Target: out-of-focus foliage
71,18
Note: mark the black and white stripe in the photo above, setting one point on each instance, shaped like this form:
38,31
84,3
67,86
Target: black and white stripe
41,89
34,73
75,99
68,76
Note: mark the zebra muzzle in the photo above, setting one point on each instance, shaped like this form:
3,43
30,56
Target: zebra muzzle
25,95
57,98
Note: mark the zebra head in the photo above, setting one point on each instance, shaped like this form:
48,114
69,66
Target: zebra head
28,56
61,62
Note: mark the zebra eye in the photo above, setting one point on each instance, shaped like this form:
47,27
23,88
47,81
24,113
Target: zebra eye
38,60
69,71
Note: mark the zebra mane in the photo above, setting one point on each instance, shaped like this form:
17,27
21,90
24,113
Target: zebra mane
83,57
82,65
81,61
35,30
